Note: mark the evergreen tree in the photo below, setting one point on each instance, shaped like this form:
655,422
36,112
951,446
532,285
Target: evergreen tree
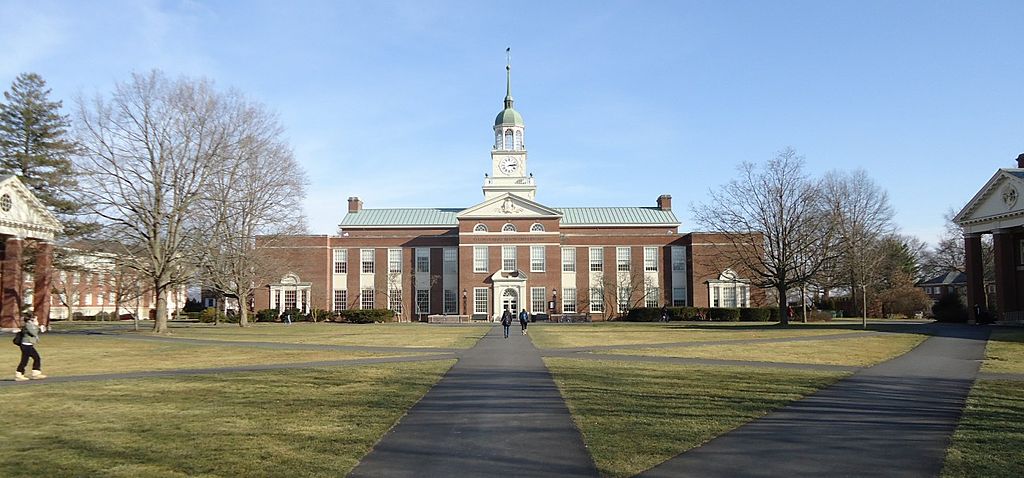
35,146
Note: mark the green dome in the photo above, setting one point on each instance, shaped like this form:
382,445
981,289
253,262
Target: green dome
509,116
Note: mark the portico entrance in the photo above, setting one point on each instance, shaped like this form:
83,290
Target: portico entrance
510,300
24,224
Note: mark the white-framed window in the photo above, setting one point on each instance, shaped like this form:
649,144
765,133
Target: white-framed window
508,140
480,259
290,299
519,140
623,304
728,291
537,227
395,300
479,228
340,299
536,258
480,295
537,300
422,259
449,302
651,299
622,259
678,297
365,299
569,301
340,261
88,298
394,260
508,227
716,299
422,301
678,259
568,259
596,259
508,258
451,260
650,259
596,300
366,259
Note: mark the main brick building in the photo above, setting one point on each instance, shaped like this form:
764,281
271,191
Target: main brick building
508,251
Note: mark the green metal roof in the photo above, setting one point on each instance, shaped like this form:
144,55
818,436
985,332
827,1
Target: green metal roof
614,216
402,217
509,116
572,216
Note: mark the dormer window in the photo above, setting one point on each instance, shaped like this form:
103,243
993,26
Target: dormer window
508,227
536,227
508,140
479,228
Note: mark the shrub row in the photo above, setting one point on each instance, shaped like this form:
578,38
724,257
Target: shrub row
353,316
718,314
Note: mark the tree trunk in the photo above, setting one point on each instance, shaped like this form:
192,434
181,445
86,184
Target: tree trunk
160,324
71,316
243,312
783,306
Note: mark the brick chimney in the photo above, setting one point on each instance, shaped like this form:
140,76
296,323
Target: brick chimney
1020,160
354,204
665,202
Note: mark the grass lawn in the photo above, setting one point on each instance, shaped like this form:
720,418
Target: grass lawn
378,335
86,355
990,438
309,422
550,336
1005,351
635,415
860,351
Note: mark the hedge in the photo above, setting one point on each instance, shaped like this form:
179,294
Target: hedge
719,314
949,308
366,316
724,314
267,315
760,314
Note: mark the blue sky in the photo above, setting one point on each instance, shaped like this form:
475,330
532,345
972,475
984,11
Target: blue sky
623,101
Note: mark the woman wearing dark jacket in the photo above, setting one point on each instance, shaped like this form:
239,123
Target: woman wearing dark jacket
506,321
29,339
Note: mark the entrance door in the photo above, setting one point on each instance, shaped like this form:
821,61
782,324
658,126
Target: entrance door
510,301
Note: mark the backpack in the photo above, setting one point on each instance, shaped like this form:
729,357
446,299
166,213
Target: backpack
17,337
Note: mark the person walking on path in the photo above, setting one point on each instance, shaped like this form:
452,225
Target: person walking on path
506,321
524,318
29,339
664,313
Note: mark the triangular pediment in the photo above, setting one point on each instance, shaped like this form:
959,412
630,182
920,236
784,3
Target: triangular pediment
22,214
505,206
1000,199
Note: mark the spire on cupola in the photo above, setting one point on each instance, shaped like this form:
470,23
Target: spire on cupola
508,78
508,116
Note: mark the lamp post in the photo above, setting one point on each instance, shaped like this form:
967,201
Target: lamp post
464,310
554,301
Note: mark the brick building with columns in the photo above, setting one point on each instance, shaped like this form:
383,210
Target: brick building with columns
26,226
509,251
996,209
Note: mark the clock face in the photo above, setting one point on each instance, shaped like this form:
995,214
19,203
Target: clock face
508,165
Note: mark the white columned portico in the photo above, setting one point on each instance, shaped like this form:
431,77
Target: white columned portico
507,285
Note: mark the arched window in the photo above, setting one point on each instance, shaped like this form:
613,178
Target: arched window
508,140
497,139
729,290
536,227
519,140
479,228
508,227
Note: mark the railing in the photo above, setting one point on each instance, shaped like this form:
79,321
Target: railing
1016,316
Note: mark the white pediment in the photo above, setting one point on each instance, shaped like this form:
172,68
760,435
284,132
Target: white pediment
999,204
507,206
24,215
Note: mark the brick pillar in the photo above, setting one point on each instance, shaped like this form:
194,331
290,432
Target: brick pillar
10,311
975,275
43,284
1002,242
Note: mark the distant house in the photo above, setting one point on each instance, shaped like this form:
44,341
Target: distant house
938,286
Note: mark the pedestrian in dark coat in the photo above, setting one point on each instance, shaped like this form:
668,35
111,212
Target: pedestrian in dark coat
524,318
506,321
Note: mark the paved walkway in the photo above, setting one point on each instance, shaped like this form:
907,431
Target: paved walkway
893,419
497,412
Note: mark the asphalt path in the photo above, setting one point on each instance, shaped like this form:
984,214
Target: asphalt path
497,412
894,419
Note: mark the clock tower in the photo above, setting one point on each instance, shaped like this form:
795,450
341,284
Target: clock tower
508,157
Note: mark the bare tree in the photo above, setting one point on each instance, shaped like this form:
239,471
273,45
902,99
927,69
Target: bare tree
623,290
67,291
149,151
259,194
777,222
863,218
